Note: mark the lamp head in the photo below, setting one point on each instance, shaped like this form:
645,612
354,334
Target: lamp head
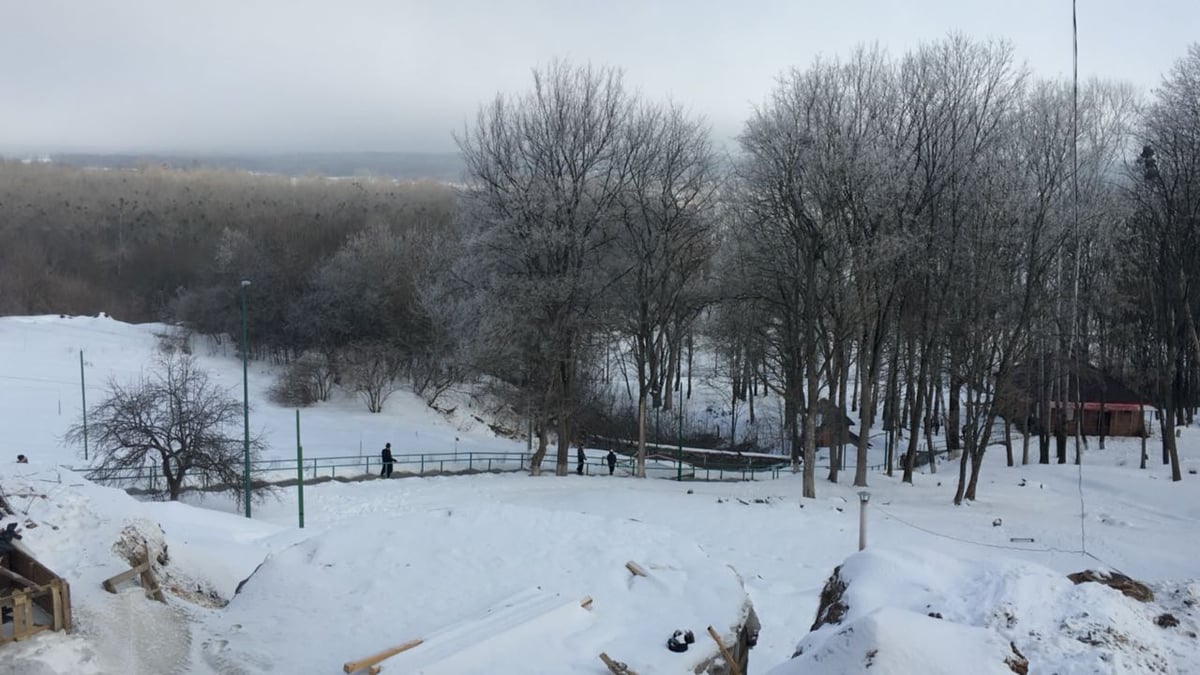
245,283
864,496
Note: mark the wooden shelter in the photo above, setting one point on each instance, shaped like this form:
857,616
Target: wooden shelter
1105,405
35,598
833,426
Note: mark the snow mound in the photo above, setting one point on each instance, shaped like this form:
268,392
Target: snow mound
86,533
491,595
905,611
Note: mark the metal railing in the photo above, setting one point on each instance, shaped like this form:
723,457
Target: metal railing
358,467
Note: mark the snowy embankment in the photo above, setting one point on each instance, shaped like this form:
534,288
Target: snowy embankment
906,611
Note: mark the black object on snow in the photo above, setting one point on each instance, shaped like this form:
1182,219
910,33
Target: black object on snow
678,642
7,535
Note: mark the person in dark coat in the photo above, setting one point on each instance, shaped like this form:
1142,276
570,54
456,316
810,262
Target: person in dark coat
612,462
386,471
582,459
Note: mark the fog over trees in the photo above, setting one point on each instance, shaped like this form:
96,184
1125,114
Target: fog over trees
896,235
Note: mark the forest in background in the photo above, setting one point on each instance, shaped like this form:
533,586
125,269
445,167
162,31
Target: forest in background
889,228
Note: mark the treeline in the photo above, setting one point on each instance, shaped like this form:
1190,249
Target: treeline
889,229
155,244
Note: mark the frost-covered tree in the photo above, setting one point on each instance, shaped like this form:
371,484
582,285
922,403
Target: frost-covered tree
546,171
663,246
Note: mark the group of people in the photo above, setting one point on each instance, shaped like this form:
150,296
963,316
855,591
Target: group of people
389,461
581,457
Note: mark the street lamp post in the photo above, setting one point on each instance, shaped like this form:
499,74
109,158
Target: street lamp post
245,401
679,455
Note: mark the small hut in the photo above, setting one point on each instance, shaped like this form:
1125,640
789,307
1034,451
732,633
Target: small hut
833,426
1106,406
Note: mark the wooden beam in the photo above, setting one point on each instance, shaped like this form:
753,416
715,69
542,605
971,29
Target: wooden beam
4,571
733,665
615,667
56,595
150,585
364,664
635,569
586,602
110,584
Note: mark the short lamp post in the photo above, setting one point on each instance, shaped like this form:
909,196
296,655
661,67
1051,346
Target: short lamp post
245,401
863,498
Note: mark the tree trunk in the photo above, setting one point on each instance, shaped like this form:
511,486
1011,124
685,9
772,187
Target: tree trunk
535,462
562,463
641,447
953,427
1008,441
866,375
810,419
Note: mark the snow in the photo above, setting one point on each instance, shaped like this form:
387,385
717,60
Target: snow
489,569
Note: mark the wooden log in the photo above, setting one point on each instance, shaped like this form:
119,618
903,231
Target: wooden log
586,602
615,667
733,665
635,569
364,664
374,670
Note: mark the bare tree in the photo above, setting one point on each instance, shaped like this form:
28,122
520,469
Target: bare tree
371,369
176,416
663,247
1165,232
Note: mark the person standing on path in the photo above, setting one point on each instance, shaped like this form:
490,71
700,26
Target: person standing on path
612,462
386,471
582,459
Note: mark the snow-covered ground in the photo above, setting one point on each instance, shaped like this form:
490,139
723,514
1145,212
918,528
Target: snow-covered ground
489,570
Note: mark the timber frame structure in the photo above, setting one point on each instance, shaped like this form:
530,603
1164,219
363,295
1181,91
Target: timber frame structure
36,598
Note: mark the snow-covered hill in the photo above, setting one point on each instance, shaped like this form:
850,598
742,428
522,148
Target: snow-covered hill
489,569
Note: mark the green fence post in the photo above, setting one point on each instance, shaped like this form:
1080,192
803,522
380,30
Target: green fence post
299,471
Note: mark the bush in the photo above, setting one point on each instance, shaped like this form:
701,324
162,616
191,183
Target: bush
304,381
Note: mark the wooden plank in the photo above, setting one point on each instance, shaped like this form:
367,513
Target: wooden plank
364,664
65,589
110,584
733,665
56,595
635,569
615,667
150,585
4,571
22,615
586,602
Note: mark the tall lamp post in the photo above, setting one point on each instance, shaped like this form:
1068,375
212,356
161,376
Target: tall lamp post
679,455
245,401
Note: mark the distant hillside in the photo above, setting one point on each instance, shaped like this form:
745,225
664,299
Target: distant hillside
446,167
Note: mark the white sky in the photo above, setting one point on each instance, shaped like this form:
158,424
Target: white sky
401,75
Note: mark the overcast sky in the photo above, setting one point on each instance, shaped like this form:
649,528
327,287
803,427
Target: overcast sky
217,76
